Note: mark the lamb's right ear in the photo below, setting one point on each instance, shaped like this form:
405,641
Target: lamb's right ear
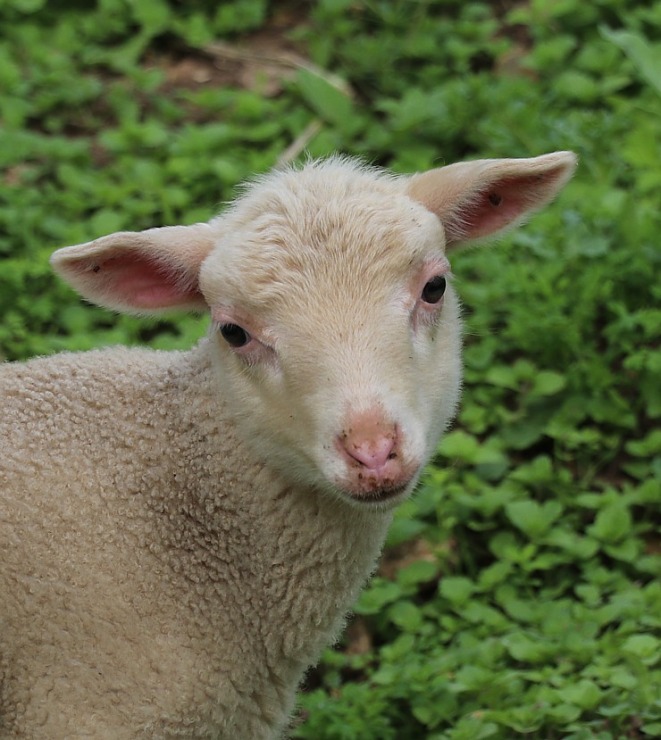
479,199
139,271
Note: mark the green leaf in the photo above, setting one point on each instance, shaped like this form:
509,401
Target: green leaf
645,647
548,383
653,729
612,523
525,649
406,615
456,589
330,103
578,547
377,596
646,58
152,15
585,694
459,445
28,6
577,86
646,447
531,518
421,571
404,530
472,678
507,547
504,376
538,472
623,678
525,432
494,575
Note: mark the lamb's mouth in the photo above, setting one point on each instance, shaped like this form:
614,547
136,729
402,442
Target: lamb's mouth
379,496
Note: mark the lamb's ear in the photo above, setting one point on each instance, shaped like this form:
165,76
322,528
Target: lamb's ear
139,271
478,199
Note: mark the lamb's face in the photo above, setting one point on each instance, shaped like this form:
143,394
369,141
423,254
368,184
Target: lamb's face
336,329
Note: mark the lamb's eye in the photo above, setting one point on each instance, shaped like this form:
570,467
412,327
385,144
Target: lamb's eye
234,335
434,289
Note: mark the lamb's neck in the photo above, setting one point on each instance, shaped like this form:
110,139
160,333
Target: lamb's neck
322,551
312,556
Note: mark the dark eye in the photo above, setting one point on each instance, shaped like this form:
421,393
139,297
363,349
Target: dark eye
234,335
434,289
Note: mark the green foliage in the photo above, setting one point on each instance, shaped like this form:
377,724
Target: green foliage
536,610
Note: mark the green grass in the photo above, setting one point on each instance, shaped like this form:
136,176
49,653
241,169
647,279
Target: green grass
521,593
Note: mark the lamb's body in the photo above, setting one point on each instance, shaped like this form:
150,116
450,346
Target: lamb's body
182,533
174,562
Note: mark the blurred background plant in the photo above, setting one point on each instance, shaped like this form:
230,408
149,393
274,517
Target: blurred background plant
520,591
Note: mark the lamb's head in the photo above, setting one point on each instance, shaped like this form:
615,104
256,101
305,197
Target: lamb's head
335,328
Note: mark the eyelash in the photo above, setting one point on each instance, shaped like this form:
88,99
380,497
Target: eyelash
435,289
234,334
428,312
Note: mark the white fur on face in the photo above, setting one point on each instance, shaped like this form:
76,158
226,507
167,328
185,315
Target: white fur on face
324,269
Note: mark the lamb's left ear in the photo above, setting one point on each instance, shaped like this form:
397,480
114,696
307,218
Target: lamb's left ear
140,272
478,199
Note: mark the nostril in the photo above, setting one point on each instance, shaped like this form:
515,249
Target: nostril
371,453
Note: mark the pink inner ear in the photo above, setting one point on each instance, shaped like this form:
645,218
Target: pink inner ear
141,283
500,204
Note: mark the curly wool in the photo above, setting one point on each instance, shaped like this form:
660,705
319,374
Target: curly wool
156,583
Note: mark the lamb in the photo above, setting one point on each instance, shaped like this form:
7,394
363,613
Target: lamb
181,533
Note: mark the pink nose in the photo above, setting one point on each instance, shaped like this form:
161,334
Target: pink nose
372,453
370,440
